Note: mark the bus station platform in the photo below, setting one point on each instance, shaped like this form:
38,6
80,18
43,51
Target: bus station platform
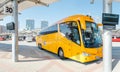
31,59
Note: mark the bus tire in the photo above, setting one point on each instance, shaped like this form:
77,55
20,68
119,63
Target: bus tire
61,53
40,46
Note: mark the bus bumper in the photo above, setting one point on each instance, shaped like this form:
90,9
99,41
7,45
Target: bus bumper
90,58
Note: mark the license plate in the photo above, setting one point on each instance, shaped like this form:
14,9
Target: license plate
97,57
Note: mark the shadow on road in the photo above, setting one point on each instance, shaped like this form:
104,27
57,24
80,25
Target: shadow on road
29,53
5,47
115,56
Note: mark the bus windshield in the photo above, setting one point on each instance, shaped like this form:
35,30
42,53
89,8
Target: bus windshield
91,36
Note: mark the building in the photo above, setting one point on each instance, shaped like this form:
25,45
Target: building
44,24
3,29
30,24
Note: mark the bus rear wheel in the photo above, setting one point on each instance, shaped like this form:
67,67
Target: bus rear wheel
40,46
61,53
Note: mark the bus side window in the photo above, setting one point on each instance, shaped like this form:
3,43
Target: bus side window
64,28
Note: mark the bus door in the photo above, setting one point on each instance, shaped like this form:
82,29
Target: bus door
65,38
75,41
72,38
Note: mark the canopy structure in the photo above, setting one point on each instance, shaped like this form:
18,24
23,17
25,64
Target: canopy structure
117,0
12,7
22,5
114,1
92,1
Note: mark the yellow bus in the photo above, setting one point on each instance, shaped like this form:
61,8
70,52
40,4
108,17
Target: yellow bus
76,37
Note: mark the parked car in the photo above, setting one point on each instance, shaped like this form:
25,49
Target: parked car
2,38
21,38
29,38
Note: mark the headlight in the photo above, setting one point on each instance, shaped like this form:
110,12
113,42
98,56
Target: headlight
85,54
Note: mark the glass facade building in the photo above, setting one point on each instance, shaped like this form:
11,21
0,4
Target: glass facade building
44,24
30,24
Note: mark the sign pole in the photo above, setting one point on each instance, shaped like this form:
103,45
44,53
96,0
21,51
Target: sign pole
107,51
107,40
15,34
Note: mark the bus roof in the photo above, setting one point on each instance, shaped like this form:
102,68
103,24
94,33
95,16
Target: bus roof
76,17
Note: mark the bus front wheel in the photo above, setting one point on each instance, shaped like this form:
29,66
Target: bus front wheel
61,53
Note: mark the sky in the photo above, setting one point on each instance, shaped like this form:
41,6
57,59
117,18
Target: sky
61,9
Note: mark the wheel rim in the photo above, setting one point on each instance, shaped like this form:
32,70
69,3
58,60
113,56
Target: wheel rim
61,53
